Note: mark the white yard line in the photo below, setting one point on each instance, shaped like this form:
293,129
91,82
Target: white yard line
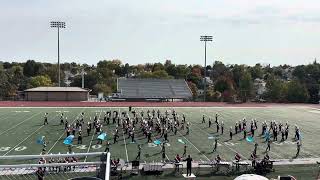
271,152
23,140
155,137
85,159
166,156
231,149
263,147
124,138
19,123
194,146
125,145
64,132
6,115
241,154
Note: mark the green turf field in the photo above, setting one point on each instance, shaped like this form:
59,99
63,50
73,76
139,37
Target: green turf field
20,127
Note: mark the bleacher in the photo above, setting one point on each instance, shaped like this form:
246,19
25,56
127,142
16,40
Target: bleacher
145,89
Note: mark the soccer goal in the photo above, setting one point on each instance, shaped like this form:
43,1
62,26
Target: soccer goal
76,166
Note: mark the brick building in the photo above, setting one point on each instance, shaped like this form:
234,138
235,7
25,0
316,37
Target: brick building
57,94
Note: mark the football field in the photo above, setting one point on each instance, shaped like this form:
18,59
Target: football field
21,127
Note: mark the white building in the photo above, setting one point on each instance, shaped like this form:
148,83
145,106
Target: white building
208,80
260,86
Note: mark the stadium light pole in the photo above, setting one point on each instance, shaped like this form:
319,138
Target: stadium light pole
82,77
205,39
58,25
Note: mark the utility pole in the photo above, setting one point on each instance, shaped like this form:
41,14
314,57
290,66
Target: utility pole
205,39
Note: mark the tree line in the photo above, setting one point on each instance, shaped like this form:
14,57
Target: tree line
225,82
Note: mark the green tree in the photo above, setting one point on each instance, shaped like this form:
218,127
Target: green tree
90,80
161,74
256,71
51,71
39,81
145,74
193,89
181,71
313,90
104,88
297,92
278,71
197,80
277,90
4,84
171,70
224,85
246,86
16,77
237,73
299,72
126,70
111,65
213,95
218,69
30,68
157,67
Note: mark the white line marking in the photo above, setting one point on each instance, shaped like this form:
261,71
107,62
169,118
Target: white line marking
231,149
274,153
23,140
7,115
124,138
220,143
315,111
238,152
194,146
20,123
85,159
64,132
125,145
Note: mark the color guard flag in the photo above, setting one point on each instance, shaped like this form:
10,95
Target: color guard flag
180,141
68,140
157,142
40,140
250,139
102,136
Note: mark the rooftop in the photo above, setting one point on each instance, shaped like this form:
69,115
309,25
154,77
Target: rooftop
57,89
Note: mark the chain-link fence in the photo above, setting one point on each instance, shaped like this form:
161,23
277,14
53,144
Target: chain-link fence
61,166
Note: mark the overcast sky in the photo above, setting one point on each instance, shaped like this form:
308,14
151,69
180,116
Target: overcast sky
140,31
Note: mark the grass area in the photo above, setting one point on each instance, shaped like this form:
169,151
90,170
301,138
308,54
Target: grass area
20,127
